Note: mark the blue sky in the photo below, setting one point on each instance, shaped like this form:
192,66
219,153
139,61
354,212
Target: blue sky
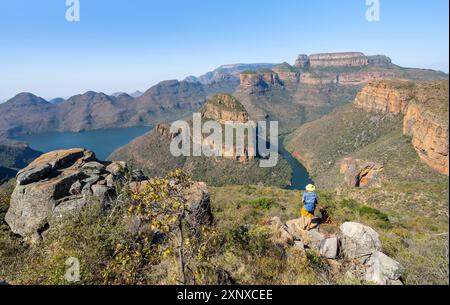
121,45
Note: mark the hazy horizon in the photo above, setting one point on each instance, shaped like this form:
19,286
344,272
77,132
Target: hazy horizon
118,46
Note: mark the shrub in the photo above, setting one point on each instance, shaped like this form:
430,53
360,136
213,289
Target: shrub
263,203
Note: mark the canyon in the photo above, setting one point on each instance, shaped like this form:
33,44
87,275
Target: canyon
172,99
424,106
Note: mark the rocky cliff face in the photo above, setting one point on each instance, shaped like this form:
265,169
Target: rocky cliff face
359,173
429,136
385,97
379,61
348,59
302,61
258,82
224,108
287,74
425,109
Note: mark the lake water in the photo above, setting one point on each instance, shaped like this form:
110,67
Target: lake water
104,142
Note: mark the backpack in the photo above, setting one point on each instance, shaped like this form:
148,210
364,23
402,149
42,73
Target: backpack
310,201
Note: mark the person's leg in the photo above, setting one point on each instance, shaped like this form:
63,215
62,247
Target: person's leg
303,220
308,226
304,223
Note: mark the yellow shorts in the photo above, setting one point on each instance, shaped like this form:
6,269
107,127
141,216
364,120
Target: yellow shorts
306,213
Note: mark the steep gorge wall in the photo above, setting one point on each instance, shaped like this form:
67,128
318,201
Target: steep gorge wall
425,109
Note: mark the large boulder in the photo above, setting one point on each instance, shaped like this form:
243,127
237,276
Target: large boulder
383,270
361,245
329,248
358,240
55,185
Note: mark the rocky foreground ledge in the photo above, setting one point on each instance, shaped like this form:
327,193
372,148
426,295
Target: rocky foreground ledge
61,183
355,250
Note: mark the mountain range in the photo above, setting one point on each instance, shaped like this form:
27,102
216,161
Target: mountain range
311,87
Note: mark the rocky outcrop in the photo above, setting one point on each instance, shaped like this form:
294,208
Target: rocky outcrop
287,74
379,61
354,247
260,81
383,97
164,131
56,185
425,109
302,61
359,173
429,137
361,243
224,108
348,59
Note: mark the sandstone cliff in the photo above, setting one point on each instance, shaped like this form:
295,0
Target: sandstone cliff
347,59
259,81
425,109
385,97
224,108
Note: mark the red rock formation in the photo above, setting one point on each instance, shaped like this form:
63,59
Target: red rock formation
429,137
259,81
425,109
360,173
383,97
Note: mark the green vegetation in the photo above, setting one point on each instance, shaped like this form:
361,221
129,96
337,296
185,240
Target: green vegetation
224,101
238,248
262,203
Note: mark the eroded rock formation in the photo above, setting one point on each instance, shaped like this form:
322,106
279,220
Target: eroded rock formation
359,173
429,137
260,81
425,109
224,108
347,59
58,184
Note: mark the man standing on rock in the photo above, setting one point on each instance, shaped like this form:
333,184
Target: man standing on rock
310,201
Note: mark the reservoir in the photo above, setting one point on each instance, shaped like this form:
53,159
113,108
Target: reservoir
103,142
